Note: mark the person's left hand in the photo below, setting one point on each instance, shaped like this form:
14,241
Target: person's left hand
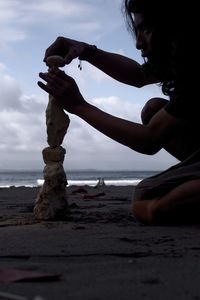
63,88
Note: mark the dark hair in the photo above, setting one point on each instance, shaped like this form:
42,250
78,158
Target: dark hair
167,21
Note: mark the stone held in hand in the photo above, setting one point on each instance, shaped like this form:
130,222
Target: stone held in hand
55,61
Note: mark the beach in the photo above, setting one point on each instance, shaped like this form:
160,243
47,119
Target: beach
98,252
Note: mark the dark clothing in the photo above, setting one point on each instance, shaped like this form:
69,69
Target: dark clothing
184,107
162,183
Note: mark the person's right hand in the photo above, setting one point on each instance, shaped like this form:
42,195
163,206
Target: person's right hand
67,48
63,88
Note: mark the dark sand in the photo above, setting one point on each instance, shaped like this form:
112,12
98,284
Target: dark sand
100,251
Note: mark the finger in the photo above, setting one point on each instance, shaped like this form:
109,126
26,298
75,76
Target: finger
48,88
58,47
60,74
57,76
54,49
72,54
43,75
57,72
49,77
46,77
52,81
43,86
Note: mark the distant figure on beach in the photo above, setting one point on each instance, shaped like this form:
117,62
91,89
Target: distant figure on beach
165,33
100,182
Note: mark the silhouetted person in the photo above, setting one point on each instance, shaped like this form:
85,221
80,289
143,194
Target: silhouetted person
163,32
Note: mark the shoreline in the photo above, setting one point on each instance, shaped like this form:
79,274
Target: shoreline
82,183
91,178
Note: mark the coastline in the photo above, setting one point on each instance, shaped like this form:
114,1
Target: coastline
99,252
33,178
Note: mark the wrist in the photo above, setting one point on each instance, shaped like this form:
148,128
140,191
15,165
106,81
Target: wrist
88,52
79,108
82,109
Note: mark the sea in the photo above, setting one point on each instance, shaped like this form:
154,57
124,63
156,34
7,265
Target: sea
74,177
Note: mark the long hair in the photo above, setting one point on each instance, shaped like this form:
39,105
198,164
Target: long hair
167,21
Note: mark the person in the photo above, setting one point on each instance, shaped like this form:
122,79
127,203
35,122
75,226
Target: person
100,182
160,29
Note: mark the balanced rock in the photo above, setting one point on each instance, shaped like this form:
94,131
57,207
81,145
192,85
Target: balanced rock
53,155
57,123
51,202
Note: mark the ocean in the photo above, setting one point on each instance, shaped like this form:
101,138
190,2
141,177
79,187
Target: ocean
78,177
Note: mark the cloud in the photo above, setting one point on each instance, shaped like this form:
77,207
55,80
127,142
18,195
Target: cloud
88,148
84,139
10,29
9,10
60,8
18,18
22,124
20,116
26,27
20,11
23,132
9,93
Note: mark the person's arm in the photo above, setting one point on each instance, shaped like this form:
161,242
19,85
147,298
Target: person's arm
147,139
117,66
121,68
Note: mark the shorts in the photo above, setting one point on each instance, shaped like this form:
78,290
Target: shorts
162,183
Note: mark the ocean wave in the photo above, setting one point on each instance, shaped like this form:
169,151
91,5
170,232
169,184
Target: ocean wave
122,182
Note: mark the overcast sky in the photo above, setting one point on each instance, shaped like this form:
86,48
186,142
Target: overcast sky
27,28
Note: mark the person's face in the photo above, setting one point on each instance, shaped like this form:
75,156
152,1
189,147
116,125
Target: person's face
143,36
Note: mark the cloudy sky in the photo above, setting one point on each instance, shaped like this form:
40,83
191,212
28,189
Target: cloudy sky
27,28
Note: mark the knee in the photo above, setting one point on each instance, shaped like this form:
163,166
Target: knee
151,107
153,212
135,209
143,211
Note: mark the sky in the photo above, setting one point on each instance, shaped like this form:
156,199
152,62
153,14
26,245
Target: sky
27,28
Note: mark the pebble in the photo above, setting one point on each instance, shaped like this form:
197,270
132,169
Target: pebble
55,61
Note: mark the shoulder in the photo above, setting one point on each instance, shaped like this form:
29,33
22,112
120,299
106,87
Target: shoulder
184,106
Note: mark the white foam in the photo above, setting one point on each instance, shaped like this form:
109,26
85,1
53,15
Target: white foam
94,182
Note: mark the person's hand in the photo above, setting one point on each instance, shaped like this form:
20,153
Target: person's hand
68,49
63,88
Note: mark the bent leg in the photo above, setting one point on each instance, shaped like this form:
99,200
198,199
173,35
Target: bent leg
179,206
185,143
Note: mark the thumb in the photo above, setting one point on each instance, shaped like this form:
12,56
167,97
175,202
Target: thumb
72,54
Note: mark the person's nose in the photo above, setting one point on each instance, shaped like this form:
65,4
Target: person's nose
139,41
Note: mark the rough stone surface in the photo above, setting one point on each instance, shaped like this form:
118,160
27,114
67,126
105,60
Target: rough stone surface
51,205
52,155
51,202
57,123
55,61
54,176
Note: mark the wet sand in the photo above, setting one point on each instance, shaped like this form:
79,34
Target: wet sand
99,252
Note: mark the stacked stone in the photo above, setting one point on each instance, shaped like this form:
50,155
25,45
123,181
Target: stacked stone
51,202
